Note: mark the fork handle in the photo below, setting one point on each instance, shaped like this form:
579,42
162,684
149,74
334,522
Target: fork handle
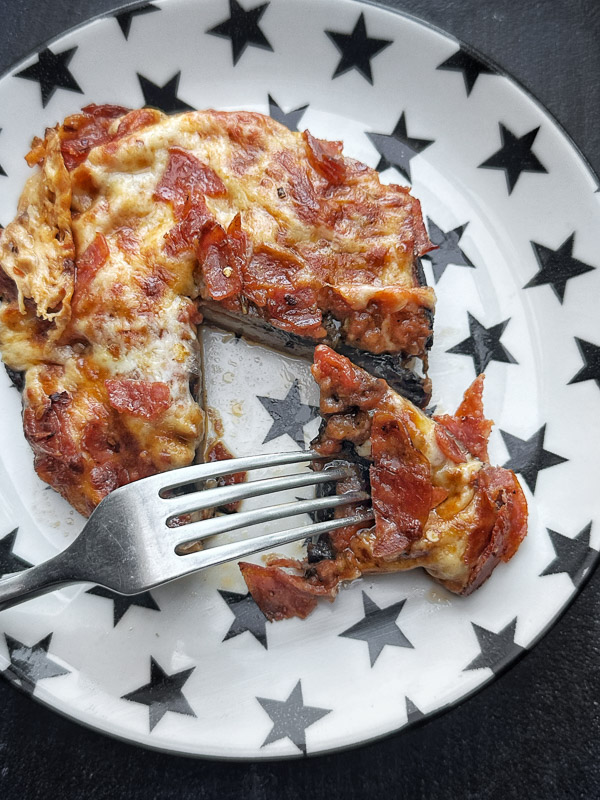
35,581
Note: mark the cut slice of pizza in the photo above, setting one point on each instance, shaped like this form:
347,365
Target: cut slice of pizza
437,502
135,224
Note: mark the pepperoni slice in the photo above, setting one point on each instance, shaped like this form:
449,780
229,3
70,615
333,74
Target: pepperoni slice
502,524
401,487
326,158
219,253
88,264
82,132
448,444
146,399
281,595
185,180
296,311
468,425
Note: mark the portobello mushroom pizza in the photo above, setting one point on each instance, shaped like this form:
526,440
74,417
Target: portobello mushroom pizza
437,502
136,226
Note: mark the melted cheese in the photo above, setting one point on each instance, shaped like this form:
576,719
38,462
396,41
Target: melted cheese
92,294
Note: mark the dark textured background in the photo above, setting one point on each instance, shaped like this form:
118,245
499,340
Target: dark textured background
535,732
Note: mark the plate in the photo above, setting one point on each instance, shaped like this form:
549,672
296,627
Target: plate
193,667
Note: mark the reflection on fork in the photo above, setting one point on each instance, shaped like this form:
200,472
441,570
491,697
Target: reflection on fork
135,540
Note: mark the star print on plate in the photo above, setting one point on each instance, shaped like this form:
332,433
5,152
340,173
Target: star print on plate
515,156
448,252
124,18
557,266
497,649
122,604
163,693
501,239
291,118
291,718
163,97
591,358
9,562
470,66
528,457
378,628
28,665
248,617
412,712
242,29
573,556
52,72
397,148
357,49
289,415
483,344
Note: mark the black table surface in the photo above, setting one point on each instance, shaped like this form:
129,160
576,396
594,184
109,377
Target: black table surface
534,732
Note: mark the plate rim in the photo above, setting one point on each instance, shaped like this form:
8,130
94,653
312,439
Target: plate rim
498,672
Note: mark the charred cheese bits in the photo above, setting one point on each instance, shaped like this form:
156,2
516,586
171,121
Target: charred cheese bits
133,221
438,503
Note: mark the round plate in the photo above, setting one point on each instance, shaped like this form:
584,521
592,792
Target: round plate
193,667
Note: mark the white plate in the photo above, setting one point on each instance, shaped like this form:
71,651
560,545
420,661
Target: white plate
193,668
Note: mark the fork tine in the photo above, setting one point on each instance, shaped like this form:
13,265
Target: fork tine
233,551
196,531
215,469
223,495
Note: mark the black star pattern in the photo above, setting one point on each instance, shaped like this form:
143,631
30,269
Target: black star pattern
357,49
289,415
483,345
162,694
591,357
124,17
163,97
448,252
528,457
248,617
557,266
52,72
28,665
397,148
515,156
412,712
242,29
497,649
291,718
122,603
9,562
470,66
378,628
290,119
573,556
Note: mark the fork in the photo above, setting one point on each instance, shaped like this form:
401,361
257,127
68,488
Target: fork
133,541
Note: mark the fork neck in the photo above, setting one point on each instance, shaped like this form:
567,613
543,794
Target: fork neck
36,581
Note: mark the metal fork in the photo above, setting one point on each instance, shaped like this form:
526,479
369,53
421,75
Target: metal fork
130,543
